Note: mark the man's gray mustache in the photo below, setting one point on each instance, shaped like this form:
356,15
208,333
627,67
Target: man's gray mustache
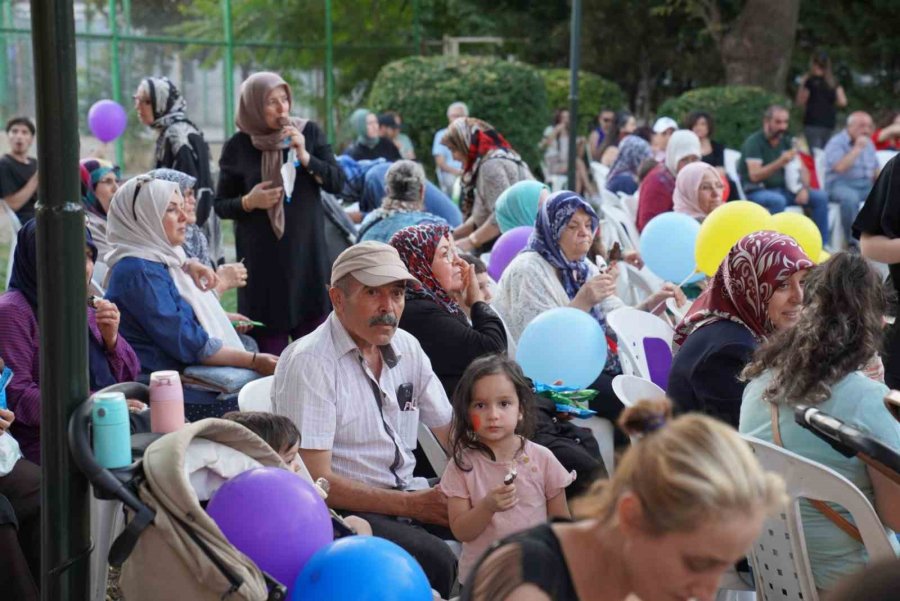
384,320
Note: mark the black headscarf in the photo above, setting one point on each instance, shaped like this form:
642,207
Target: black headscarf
24,269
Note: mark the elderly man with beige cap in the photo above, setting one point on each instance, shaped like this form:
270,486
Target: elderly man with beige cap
356,388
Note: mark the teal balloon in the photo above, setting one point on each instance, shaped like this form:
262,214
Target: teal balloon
362,568
667,246
563,344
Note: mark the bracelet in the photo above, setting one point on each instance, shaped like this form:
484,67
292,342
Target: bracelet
244,204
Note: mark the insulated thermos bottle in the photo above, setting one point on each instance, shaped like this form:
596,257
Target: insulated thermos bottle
111,429
166,402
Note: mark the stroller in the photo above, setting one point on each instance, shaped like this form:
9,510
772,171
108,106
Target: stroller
174,549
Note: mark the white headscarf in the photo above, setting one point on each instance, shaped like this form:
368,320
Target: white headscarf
135,229
683,143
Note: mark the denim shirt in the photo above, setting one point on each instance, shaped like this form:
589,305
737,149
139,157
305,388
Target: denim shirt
864,168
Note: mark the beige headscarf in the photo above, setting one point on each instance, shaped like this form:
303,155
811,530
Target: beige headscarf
135,229
687,189
250,120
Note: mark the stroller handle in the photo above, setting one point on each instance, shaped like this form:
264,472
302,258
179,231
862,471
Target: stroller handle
104,481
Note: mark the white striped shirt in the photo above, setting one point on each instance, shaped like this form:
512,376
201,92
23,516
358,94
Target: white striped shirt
323,384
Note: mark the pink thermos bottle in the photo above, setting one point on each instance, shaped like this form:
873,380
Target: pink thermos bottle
166,402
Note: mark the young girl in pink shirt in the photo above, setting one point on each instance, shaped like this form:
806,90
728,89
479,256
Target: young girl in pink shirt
499,482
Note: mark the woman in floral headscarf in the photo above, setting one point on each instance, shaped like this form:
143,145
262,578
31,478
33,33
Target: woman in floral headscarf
490,166
445,310
180,146
280,236
756,291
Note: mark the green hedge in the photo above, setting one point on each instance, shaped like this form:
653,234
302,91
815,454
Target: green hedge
594,93
509,95
737,110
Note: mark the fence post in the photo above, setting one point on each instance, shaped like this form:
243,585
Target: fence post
116,75
228,68
574,60
329,75
4,71
62,297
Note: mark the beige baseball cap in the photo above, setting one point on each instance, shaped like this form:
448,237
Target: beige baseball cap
372,263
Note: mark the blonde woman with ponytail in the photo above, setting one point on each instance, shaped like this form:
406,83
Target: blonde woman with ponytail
686,503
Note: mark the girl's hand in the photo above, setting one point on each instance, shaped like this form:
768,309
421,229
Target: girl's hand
107,322
7,417
502,498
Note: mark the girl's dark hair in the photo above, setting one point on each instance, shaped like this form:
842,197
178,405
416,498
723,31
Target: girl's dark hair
843,308
278,431
462,433
695,116
615,130
480,267
821,59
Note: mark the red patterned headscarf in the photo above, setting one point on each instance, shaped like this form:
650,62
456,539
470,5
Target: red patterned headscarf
416,245
742,287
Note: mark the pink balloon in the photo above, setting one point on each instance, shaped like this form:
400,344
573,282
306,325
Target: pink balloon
506,249
107,120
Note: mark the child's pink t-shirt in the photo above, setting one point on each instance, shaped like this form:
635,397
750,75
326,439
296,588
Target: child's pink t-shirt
540,478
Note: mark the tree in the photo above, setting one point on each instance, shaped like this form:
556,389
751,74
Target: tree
755,38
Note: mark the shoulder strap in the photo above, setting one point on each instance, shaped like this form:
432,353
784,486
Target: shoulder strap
822,507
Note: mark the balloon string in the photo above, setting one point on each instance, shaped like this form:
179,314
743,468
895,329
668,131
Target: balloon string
683,282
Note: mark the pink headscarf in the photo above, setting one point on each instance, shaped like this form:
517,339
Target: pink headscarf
687,189
742,287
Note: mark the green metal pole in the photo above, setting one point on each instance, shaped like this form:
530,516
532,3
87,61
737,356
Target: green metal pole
229,68
116,68
4,81
65,512
417,31
574,60
329,74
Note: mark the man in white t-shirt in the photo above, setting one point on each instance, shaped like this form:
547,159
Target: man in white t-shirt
448,168
356,387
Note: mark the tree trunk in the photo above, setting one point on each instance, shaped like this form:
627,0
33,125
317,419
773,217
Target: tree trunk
757,49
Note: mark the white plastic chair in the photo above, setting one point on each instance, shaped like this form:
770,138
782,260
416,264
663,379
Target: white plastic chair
779,557
641,283
731,169
631,389
634,329
884,156
433,450
599,172
256,395
14,225
618,215
602,429
631,204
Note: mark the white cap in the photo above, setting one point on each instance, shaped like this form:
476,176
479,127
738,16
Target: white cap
664,123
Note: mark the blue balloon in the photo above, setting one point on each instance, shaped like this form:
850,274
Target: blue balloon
362,568
667,246
563,344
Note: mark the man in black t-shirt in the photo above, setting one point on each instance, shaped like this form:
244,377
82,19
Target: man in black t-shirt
18,171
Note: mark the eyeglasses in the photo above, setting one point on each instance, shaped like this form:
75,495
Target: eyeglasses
140,99
451,257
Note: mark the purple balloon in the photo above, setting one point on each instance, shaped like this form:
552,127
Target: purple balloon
274,517
506,248
107,120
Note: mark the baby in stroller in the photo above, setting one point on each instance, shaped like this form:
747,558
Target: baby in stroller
280,433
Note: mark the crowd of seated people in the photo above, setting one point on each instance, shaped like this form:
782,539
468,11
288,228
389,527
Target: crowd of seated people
407,327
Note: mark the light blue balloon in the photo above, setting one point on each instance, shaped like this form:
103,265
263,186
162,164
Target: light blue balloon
362,568
563,344
667,246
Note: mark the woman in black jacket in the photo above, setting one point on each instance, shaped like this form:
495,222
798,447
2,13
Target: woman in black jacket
279,229
446,310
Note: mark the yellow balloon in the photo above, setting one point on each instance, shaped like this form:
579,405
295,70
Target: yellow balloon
824,256
802,229
723,228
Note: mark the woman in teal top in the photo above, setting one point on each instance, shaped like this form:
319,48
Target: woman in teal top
818,362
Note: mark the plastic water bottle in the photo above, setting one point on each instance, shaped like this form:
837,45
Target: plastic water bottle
112,431
166,402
